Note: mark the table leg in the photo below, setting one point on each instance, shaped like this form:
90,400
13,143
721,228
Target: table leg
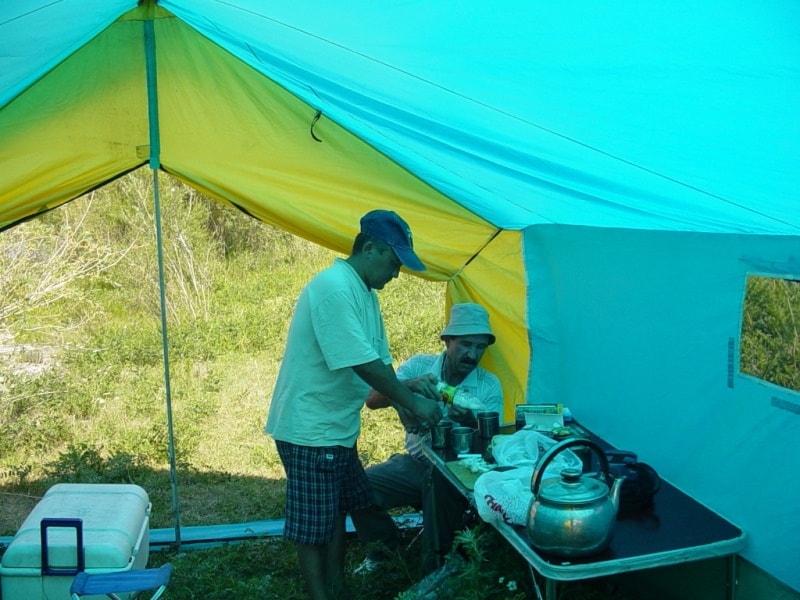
549,588
732,583
433,522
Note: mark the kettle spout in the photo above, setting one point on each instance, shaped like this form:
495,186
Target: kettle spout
613,495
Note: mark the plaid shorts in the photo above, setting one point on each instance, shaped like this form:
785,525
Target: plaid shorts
321,483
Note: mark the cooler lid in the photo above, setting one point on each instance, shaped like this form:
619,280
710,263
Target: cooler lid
114,517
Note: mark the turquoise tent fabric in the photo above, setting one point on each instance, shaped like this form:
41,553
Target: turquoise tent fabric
611,115
646,154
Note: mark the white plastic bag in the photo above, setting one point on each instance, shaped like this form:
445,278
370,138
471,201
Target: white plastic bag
526,447
504,496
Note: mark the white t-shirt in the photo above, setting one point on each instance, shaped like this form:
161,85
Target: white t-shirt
337,324
479,383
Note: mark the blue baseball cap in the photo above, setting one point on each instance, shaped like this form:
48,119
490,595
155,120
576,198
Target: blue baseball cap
388,227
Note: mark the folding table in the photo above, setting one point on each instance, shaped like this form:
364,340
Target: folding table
675,530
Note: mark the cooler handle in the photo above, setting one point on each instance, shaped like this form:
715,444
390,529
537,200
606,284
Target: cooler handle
77,524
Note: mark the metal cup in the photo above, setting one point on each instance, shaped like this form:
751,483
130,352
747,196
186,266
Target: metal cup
488,424
462,439
440,435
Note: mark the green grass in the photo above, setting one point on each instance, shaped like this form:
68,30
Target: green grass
267,569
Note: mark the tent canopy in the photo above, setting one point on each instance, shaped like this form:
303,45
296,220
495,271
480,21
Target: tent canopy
618,115
603,177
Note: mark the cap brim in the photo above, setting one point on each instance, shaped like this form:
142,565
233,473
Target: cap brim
409,259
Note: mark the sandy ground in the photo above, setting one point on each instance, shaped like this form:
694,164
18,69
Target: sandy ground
23,358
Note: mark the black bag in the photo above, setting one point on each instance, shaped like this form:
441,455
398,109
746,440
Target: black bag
641,481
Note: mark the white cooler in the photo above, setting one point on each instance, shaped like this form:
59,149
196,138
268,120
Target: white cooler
111,520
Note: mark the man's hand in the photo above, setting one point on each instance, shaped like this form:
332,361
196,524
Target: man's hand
409,421
426,411
463,416
457,413
424,385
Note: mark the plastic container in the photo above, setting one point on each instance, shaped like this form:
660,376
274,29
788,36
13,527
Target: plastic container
452,395
539,417
110,521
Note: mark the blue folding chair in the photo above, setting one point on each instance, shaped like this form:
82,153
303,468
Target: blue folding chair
123,582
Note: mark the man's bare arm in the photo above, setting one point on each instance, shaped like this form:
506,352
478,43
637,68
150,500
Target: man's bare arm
387,388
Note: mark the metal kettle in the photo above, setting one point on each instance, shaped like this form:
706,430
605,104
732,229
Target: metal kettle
572,515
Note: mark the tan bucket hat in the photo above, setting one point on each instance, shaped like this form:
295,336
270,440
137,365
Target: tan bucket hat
468,318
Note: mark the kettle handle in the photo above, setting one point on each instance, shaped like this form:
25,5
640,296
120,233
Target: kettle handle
547,457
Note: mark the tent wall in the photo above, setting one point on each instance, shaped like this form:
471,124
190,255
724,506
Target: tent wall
496,279
632,330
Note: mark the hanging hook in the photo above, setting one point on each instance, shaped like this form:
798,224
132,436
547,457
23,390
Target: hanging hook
314,122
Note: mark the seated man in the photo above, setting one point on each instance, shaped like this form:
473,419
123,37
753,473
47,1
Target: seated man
408,479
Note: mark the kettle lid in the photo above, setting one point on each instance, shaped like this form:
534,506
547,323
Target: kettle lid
573,488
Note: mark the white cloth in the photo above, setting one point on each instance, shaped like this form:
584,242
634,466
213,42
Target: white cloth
337,324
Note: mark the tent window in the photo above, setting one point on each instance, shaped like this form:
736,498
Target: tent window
770,347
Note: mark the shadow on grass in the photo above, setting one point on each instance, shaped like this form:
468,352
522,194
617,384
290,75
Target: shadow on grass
213,564
264,567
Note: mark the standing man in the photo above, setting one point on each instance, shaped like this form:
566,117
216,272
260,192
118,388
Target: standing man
409,479
336,350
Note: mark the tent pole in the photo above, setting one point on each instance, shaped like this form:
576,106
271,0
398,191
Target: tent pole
155,163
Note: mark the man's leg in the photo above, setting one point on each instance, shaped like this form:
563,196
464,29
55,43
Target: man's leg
313,559
313,478
443,509
335,558
322,565
396,482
